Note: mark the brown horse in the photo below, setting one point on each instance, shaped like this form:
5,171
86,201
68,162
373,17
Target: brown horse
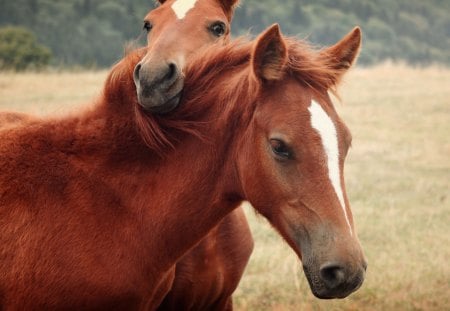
207,275
90,217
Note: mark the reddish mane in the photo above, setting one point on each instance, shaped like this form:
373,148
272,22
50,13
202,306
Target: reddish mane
309,66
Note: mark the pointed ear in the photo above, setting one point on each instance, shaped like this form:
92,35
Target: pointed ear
228,7
269,55
161,1
343,54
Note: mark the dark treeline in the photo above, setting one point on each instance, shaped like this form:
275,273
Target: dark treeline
94,32
84,32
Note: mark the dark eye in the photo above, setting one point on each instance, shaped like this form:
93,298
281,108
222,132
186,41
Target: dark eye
218,29
147,26
280,149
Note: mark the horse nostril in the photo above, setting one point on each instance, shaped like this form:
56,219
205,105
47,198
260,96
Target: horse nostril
332,275
171,72
137,69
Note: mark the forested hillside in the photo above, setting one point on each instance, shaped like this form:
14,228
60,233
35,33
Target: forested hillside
93,32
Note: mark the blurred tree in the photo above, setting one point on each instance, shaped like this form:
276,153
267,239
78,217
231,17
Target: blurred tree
19,50
90,32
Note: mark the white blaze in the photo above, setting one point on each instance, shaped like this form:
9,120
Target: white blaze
322,123
181,7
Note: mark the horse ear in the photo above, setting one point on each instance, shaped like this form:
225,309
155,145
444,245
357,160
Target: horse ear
343,54
228,7
269,55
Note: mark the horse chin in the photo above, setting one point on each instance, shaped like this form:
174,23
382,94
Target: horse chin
159,99
158,104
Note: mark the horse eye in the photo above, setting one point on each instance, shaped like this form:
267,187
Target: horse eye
147,26
218,29
280,149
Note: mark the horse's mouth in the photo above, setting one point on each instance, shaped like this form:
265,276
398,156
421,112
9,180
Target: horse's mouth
169,105
160,100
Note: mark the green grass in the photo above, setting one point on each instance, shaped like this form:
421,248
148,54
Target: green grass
397,176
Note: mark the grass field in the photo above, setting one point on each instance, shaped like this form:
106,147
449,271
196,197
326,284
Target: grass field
398,182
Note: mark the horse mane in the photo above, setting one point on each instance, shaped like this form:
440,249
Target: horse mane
120,91
311,67
161,132
119,82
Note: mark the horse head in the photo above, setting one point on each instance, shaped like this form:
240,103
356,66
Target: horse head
176,29
291,157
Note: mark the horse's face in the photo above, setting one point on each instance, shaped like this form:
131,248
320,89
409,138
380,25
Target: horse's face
176,29
292,169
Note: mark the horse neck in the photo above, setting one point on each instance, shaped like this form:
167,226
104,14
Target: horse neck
197,184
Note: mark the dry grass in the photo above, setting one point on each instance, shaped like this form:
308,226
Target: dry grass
48,93
398,181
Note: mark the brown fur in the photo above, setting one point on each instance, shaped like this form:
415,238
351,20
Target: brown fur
207,276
